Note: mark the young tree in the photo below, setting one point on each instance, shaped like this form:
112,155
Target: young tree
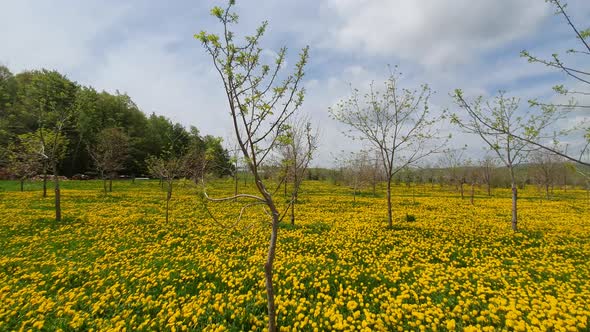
56,144
48,99
472,176
109,154
397,122
51,96
453,162
195,165
428,172
487,165
544,169
567,168
183,155
23,159
498,124
167,169
356,169
376,172
297,150
234,152
579,75
260,105
219,161
365,167
52,152
408,176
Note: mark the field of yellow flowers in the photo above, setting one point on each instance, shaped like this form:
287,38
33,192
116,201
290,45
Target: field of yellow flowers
115,264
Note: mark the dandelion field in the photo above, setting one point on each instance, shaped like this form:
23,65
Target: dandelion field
115,264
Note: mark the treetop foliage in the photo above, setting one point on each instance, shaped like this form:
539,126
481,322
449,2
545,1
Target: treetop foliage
34,102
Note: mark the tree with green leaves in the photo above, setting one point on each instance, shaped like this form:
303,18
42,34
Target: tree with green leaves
8,89
578,74
87,127
218,159
22,100
184,155
260,104
195,157
24,161
109,154
51,96
499,124
397,122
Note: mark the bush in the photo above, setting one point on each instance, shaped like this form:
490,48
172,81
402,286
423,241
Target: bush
410,218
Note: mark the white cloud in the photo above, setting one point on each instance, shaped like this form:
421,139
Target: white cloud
54,34
431,32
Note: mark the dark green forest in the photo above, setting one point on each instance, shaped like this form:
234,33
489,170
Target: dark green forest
42,110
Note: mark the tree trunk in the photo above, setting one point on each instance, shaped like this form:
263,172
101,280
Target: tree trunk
57,194
104,184
462,191
167,205
236,184
168,197
110,184
22,182
268,271
285,186
76,156
547,191
472,192
268,265
295,190
514,207
45,179
489,189
293,209
389,212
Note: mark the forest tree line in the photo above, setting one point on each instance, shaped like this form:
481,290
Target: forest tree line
34,102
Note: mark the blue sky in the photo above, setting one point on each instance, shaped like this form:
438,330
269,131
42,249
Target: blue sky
146,49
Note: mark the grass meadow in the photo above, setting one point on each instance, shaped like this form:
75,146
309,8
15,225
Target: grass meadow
115,264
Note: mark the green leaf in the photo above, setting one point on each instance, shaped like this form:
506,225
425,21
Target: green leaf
217,12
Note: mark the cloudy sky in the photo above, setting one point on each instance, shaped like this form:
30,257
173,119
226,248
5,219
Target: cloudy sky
146,49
